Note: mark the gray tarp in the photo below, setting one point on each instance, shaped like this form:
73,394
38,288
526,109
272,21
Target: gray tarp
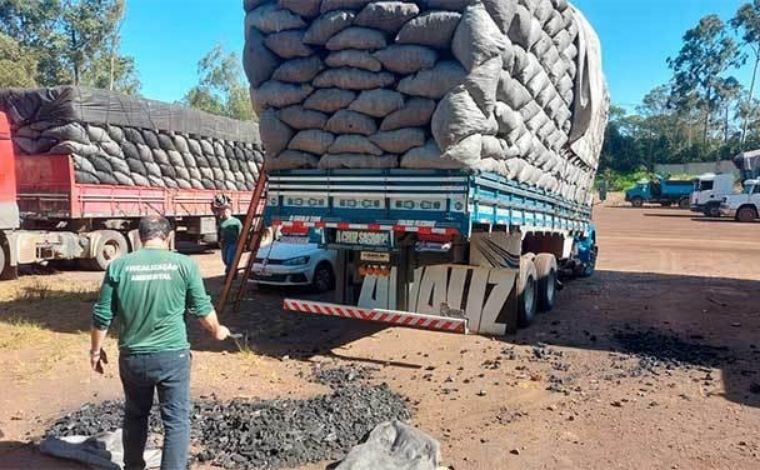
102,451
69,103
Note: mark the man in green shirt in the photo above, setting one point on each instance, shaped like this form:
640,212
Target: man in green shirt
150,291
229,230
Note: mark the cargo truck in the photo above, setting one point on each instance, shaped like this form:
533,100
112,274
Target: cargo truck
661,191
46,215
454,251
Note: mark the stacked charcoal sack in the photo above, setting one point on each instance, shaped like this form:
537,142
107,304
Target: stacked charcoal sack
121,140
507,86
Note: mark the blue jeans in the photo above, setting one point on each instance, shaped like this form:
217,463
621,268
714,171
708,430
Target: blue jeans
169,373
228,255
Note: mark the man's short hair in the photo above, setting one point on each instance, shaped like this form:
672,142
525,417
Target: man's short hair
154,226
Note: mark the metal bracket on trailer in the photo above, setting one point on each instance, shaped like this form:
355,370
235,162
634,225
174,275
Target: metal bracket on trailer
391,317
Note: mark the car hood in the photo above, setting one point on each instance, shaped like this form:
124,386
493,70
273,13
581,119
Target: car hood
284,251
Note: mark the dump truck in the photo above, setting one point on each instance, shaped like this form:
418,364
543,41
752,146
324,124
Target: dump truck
447,154
659,190
53,208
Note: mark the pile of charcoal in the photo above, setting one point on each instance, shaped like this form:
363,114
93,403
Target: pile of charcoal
509,86
656,350
252,434
122,140
288,433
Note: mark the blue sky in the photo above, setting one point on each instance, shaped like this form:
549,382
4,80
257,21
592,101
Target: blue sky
167,37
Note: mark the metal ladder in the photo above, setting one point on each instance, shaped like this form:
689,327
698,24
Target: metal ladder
250,240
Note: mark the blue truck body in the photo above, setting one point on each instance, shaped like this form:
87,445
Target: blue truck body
437,201
413,246
660,191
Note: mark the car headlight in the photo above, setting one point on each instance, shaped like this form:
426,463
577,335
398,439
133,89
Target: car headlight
300,261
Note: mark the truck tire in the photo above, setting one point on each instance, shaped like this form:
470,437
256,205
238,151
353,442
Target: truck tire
110,246
746,214
526,293
324,278
637,202
546,274
7,272
684,203
713,210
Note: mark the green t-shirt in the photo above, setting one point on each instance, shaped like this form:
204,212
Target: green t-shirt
230,229
150,290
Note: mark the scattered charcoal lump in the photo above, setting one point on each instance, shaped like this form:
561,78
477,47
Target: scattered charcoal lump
657,350
507,86
124,140
337,377
253,434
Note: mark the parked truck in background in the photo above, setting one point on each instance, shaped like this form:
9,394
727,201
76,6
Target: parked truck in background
661,191
743,207
708,192
46,215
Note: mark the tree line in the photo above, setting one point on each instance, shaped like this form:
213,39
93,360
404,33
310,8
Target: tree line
46,43
704,113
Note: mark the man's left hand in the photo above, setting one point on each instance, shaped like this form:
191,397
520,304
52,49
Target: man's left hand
97,360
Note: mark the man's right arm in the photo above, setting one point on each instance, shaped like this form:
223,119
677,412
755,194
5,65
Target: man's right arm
199,304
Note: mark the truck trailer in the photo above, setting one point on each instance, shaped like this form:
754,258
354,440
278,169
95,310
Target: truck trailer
66,202
443,250
447,152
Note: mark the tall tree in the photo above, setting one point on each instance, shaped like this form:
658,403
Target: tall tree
221,88
747,21
17,66
74,41
707,53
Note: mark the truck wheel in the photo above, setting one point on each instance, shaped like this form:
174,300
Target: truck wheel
324,279
526,293
746,214
637,202
7,272
546,273
684,203
111,245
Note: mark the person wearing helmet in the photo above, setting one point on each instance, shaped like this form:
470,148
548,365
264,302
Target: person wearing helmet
229,231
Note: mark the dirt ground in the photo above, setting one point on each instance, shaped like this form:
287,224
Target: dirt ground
558,395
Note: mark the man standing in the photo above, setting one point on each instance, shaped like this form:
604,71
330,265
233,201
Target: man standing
150,290
602,189
229,230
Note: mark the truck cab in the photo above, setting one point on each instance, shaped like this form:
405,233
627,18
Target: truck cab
743,207
639,194
709,190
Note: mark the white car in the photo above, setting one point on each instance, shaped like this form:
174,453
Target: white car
295,261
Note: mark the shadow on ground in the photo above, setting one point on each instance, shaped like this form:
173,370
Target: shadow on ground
709,311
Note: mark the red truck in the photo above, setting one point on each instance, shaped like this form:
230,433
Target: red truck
46,215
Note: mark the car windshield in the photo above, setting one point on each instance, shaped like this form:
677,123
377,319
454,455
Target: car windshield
748,188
